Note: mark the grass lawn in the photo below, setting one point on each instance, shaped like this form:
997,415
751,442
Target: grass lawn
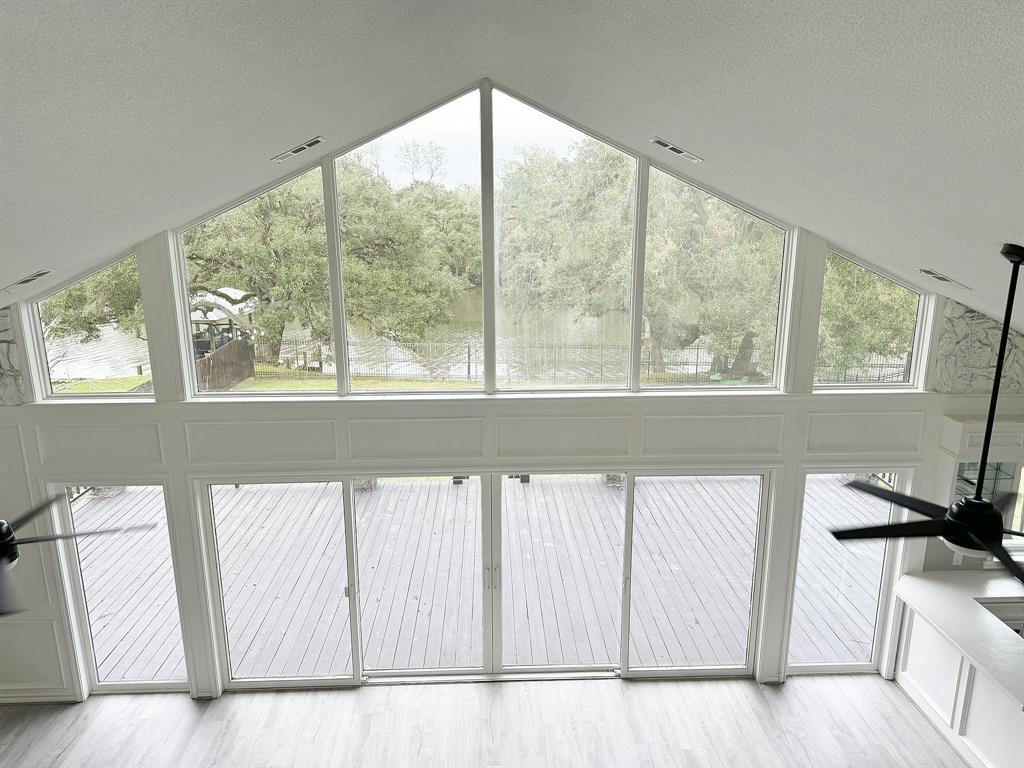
283,381
120,384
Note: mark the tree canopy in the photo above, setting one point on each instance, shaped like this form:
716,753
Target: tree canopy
564,227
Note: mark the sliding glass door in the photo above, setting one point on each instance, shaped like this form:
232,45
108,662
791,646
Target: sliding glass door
420,573
503,574
692,571
283,560
561,569
127,585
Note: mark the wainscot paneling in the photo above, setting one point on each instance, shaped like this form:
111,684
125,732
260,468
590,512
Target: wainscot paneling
933,665
31,655
993,723
262,442
563,436
864,434
703,435
93,445
440,438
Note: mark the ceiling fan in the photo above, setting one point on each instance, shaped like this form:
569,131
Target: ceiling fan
9,602
972,526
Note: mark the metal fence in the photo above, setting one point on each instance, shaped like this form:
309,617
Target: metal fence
876,369
455,363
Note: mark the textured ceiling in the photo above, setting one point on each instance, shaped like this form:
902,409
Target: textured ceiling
894,129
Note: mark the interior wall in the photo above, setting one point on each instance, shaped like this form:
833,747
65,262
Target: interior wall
966,352
964,361
181,442
12,384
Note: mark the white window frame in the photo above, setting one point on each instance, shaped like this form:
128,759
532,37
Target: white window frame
71,574
335,249
202,486
37,354
887,615
919,349
786,295
767,477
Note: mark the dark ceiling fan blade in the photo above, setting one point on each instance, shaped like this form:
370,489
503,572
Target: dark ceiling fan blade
9,600
1008,532
34,512
1003,557
894,530
104,532
1004,502
920,506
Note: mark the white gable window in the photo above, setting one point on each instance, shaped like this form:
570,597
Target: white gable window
868,328
712,287
259,294
563,219
409,219
94,335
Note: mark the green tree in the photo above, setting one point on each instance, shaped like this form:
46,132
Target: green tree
565,230
407,253
272,248
110,297
712,272
862,313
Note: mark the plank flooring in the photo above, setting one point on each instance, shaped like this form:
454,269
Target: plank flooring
281,557
811,721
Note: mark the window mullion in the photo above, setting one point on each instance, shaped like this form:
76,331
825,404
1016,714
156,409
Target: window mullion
800,323
487,234
334,252
636,300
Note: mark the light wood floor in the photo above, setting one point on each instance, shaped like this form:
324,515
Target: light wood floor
862,721
281,557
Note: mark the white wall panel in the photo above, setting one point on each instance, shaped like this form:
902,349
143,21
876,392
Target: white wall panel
261,442
94,445
933,666
34,648
563,436
864,434
393,439
701,435
994,723
30,657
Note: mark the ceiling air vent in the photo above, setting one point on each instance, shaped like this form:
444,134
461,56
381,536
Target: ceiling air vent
296,150
26,280
676,150
942,278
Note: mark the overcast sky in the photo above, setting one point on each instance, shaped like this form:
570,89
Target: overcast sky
456,128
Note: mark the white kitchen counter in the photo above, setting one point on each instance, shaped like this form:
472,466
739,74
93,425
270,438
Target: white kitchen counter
948,600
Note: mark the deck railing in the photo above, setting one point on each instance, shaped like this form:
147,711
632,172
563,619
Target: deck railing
547,364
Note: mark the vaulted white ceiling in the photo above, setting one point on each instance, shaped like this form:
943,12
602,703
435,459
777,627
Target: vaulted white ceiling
894,129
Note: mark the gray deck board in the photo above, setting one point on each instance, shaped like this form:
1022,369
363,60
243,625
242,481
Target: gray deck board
281,557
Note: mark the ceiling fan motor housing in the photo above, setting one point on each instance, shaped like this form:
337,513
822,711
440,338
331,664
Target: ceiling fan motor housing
8,546
970,516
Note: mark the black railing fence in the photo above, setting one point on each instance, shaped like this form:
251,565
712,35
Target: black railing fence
540,364
875,369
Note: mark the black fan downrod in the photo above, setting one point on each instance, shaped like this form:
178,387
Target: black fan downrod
972,525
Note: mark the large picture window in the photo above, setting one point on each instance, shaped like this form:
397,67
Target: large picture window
259,294
94,335
563,219
867,329
712,288
409,208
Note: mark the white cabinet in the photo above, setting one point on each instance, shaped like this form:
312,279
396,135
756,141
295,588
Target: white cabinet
979,717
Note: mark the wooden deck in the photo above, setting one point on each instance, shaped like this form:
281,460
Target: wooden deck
282,562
